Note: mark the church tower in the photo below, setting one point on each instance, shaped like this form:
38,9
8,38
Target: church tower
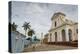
57,19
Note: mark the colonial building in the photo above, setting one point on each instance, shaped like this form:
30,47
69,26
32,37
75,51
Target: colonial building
62,29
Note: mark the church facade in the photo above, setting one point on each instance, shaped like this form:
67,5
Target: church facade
62,29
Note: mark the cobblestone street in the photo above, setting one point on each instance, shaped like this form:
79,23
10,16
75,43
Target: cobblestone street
45,47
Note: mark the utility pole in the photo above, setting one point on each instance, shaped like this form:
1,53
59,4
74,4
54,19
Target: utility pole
41,38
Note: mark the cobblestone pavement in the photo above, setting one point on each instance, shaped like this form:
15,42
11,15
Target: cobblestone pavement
45,47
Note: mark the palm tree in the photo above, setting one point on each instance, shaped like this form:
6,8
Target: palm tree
31,32
26,26
14,26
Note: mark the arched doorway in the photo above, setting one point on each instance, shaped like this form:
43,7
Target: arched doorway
70,34
55,36
63,35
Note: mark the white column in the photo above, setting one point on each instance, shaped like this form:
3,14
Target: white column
59,36
73,35
49,37
53,37
67,35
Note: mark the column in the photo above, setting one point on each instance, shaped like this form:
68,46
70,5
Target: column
49,37
67,35
53,37
59,36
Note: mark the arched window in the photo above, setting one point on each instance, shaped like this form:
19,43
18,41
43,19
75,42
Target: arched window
55,23
63,35
55,36
50,34
76,30
70,34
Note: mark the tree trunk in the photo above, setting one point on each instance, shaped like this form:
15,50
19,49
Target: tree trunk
25,32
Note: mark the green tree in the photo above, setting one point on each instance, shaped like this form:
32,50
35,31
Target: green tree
26,26
13,27
31,32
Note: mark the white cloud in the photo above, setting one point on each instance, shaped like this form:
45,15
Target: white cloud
39,14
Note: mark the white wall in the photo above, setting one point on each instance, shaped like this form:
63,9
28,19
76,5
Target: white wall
18,42
59,21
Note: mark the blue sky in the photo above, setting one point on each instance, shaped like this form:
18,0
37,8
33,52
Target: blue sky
39,15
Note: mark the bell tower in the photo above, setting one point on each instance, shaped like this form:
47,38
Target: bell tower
56,19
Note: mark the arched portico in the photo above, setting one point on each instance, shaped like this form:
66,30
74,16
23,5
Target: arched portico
63,35
55,36
70,34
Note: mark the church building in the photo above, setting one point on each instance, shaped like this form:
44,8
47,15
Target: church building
62,29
